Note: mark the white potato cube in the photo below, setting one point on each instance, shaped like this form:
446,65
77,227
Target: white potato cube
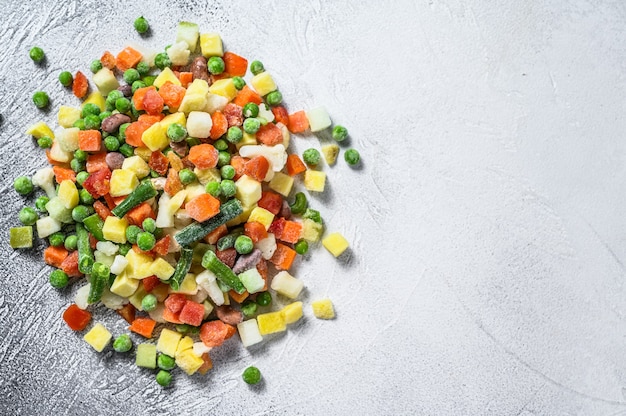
119,264
249,191
215,103
252,280
287,285
276,155
318,119
267,246
47,226
105,81
249,332
189,33
199,124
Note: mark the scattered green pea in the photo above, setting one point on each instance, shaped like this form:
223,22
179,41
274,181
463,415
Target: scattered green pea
227,172
312,214
141,25
250,110
145,241
228,188
80,212
131,75
165,362
56,239
340,133
215,65
36,54
111,143
123,343
244,244
80,124
77,166
92,122
176,132
41,99
162,61
251,125
127,150
251,375
186,176
311,156
23,185
149,225
81,177
66,78
164,378
122,105
40,203
301,247
221,144
352,157
95,66
264,299
234,134
248,308
103,115
44,142
256,67
28,216
58,279
132,231
136,85
71,242
213,188
149,302
124,249
223,158
85,197
239,82
274,98
143,68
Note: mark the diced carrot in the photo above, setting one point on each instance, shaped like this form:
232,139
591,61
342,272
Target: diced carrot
70,265
137,215
118,199
255,230
281,115
63,174
152,102
295,165
247,95
175,302
239,164
175,162
276,227
257,168
109,200
192,313
214,333
172,184
143,326
102,210
162,246
98,183
204,156
172,94
150,119
127,312
80,85
220,125
158,162
108,60
128,58
96,161
54,256
76,318
261,267
235,65
134,132
185,78
291,232
269,135
92,241
140,94
239,298
216,234
298,122
172,317
203,207
206,365
150,283
283,257
90,140
271,201
55,162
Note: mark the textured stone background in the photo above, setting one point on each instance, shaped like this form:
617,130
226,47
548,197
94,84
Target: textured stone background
487,268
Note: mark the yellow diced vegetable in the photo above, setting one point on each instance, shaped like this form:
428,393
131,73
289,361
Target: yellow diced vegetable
314,180
161,269
185,344
174,118
67,116
211,44
261,215
137,165
168,342
98,337
68,194
224,87
330,152
137,297
189,362
271,322
143,152
166,75
114,229
155,137
188,286
335,243
323,309
122,182
281,183
311,230
40,130
263,83
248,190
292,312
124,286
95,98
139,265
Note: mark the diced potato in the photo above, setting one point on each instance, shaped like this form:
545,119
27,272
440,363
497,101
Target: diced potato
137,165
68,194
311,230
211,45
287,285
188,32
193,102
318,119
105,81
199,124
68,139
323,309
39,130
143,152
47,226
263,83
194,190
188,361
292,312
248,190
224,87
58,154
161,269
67,116
98,337
124,286
261,215
185,344
168,342
267,246
139,265
247,140
198,86
178,53
335,243
314,180
271,322
155,137
252,280
114,229
330,152
276,155
207,175
122,182
249,332
174,118
215,103
282,183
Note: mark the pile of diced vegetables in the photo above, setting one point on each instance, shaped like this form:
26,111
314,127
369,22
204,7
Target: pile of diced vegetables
172,199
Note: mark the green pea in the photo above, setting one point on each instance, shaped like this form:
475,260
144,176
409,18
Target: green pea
301,247
165,362
85,197
90,109
221,144
215,65
127,150
92,122
121,133
36,54
141,25
149,302
132,232
251,375
56,239
103,115
213,189
187,329
274,98
239,82
234,134
250,110
81,177
186,176
44,142
256,67
23,185
192,141
248,308
264,299
111,143
352,157
145,241
223,158
176,132
149,225
96,65
227,172
340,133
71,242
28,216
58,279
244,244
77,165
300,204
162,61
123,343
136,85
124,249
66,78
131,75
41,99
81,155
228,188
122,105
149,80
251,125
164,378
40,203
311,156
143,68
80,212
80,124
114,95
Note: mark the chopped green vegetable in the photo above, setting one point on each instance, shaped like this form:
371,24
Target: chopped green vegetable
251,375
98,279
94,224
149,302
312,214
123,343
44,142
244,244
164,378
215,65
264,299
300,204
256,67
40,203
146,356
182,268
248,308
197,231
223,273
58,279
80,212
311,156
21,237
85,254
141,193
162,61
165,362
41,99
340,133
145,241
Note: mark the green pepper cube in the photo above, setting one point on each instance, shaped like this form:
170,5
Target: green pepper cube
21,237
146,356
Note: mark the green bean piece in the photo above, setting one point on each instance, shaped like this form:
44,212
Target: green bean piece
196,231
85,254
94,224
98,279
182,268
223,273
300,204
141,193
